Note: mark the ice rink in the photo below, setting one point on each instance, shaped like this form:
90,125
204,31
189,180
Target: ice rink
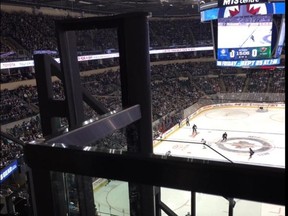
264,132
240,36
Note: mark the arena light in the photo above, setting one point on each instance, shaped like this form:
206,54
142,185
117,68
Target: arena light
85,2
8,170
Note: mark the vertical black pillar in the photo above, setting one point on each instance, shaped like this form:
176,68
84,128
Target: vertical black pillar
157,200
54,201
133,35
136,75
41,197
74,98
193,204
71,76
50,109
231,206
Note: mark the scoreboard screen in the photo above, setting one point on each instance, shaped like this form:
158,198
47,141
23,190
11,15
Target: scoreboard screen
243,38
246,34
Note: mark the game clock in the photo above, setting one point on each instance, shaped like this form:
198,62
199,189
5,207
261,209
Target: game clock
244,53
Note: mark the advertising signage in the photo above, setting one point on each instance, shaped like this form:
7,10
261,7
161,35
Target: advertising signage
8,170
225,3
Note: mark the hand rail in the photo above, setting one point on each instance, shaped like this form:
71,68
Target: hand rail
256,183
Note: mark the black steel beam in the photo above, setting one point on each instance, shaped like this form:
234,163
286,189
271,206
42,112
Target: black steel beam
250,182
94,131
135,75
166,209
45,67
135,78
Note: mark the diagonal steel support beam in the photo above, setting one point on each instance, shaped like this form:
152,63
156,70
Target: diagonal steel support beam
99,129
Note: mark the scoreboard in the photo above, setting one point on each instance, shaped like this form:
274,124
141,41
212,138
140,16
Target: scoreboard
246,33
244,53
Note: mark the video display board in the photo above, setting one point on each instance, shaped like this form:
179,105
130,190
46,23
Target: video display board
247,37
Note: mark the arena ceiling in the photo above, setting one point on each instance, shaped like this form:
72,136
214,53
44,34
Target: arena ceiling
111,7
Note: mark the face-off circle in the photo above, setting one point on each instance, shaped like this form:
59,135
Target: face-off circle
242,144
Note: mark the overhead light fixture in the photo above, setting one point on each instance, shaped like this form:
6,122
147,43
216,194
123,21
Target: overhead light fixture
85,2
164,1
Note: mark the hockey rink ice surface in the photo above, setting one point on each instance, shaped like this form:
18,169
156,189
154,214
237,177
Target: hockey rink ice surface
264,132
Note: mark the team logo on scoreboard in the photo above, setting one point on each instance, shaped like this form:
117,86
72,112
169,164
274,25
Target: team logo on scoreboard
223,53
263,49
244,10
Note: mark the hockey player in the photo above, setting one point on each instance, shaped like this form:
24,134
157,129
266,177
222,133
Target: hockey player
204,143
194,129
224,137
251,152
187,122
179,122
